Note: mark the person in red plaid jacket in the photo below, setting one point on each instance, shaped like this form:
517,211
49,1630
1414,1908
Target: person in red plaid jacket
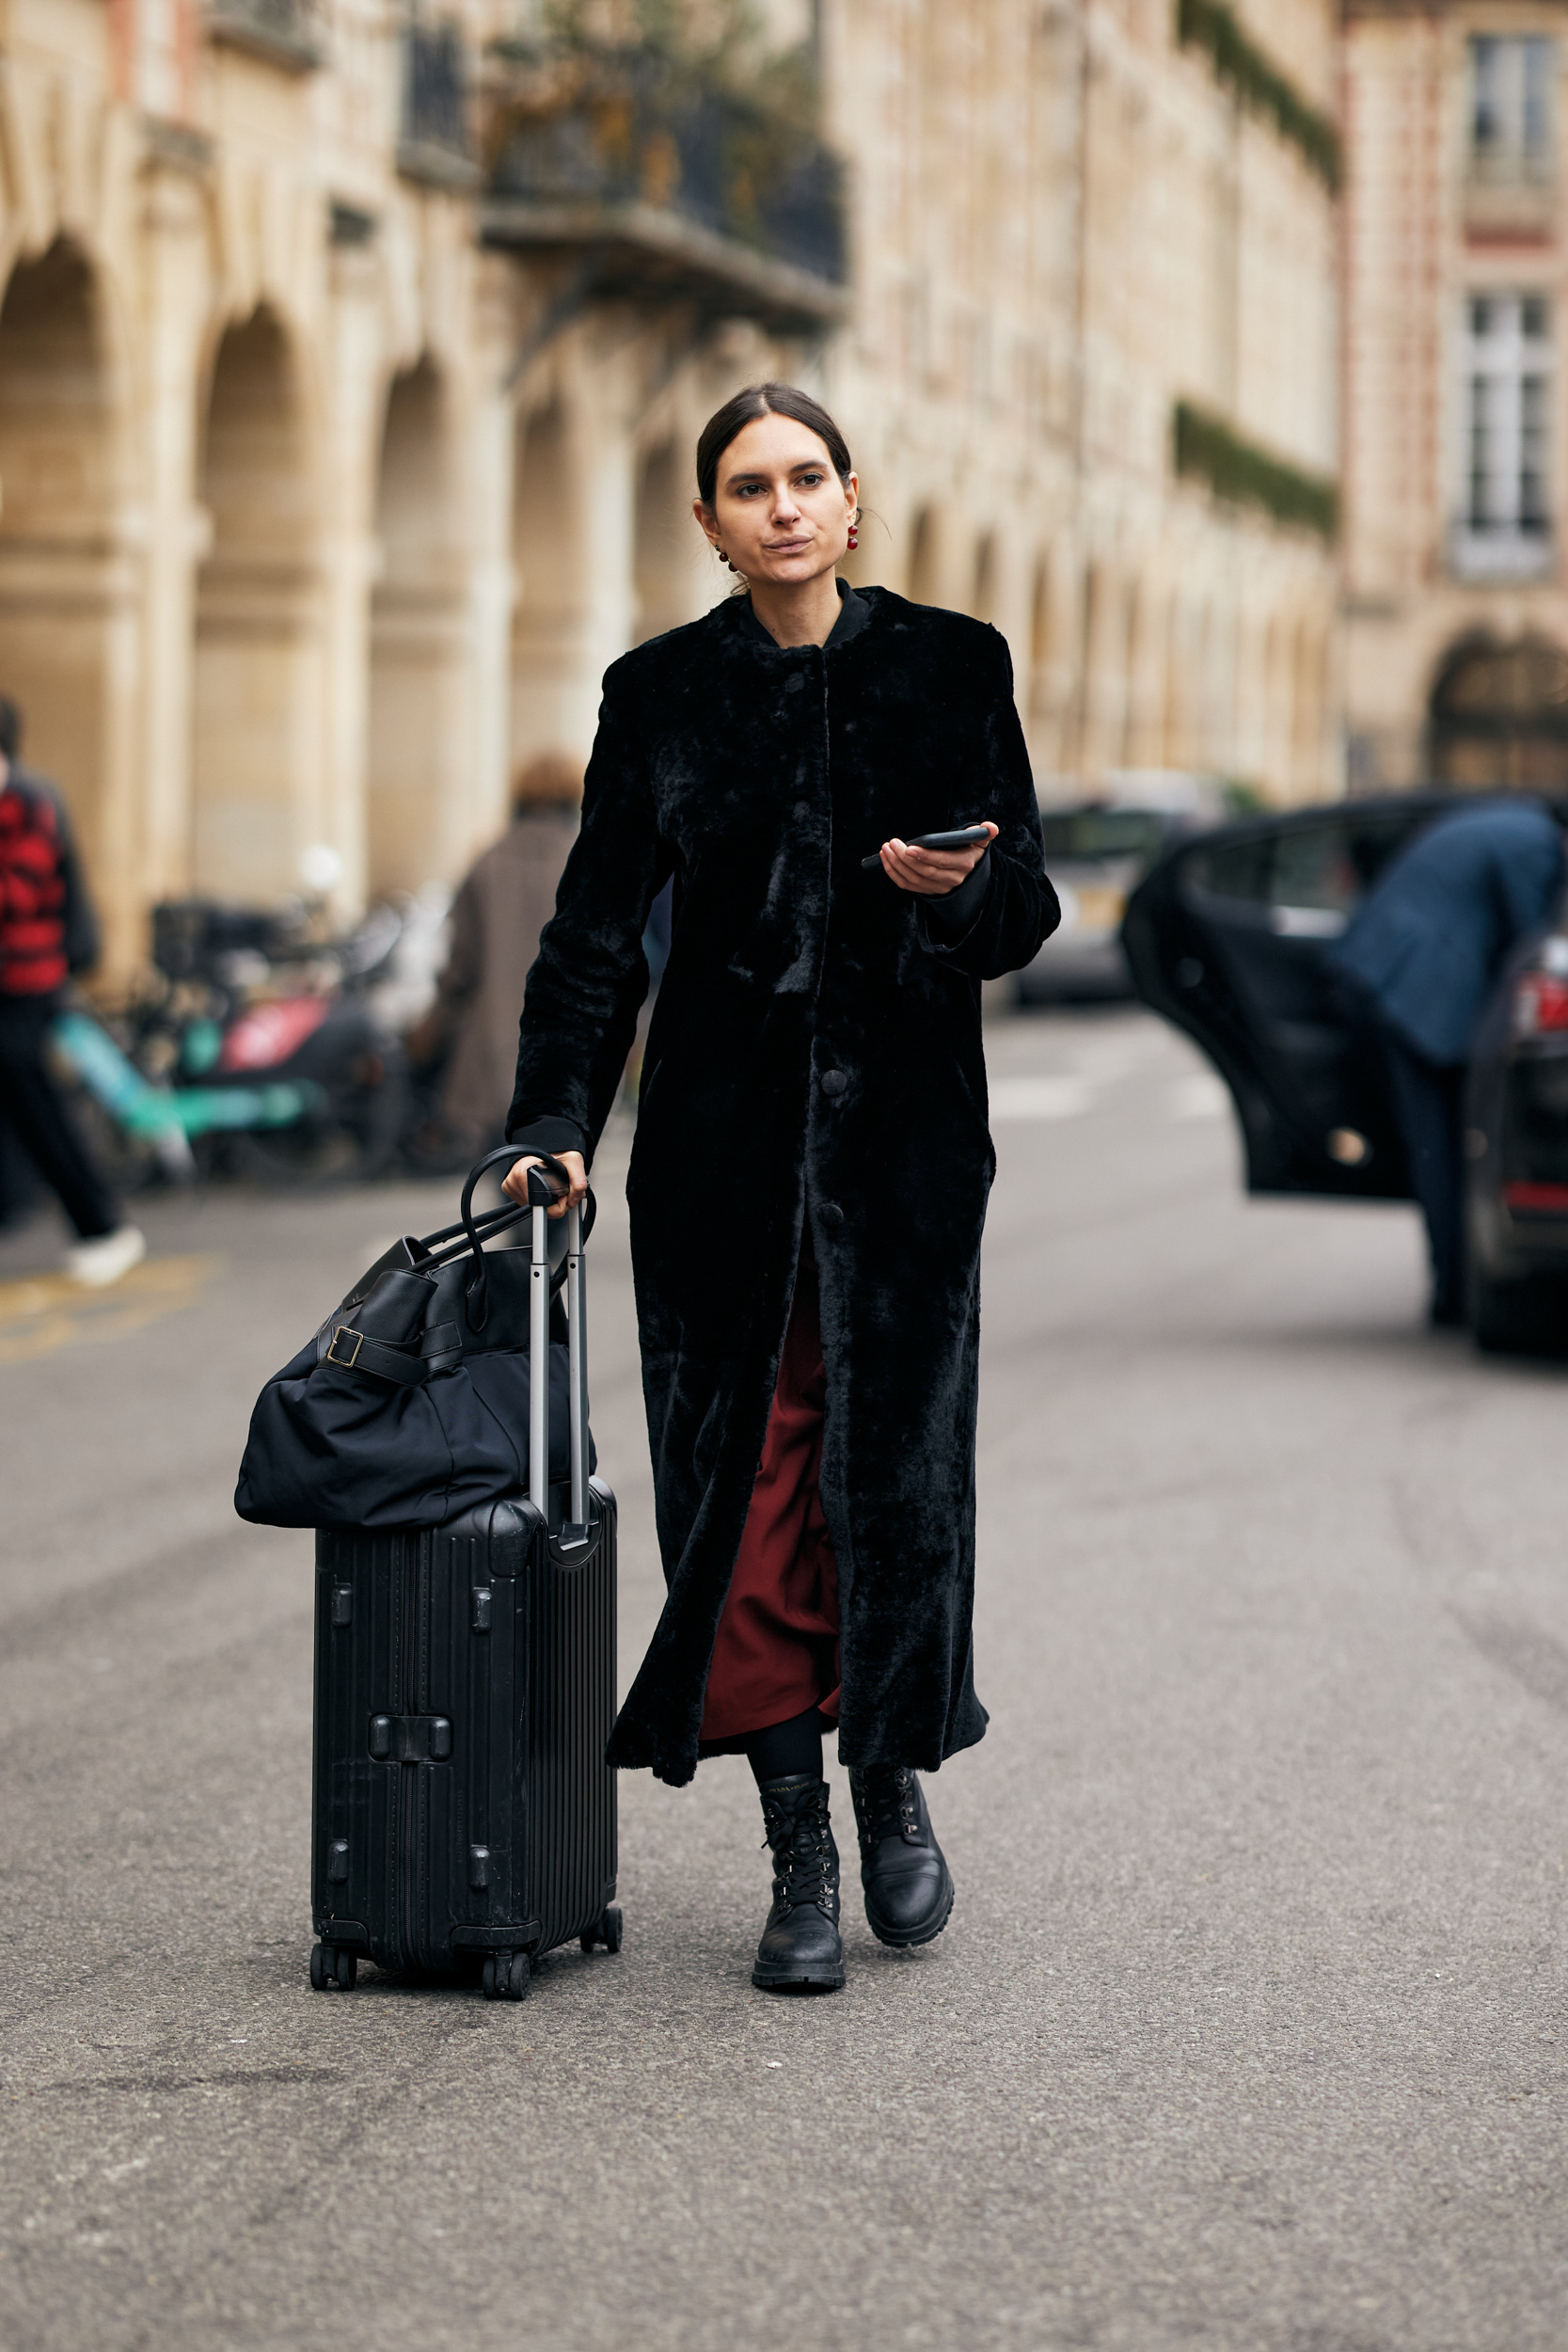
48,931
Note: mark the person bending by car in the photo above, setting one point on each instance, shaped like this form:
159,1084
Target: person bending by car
1422,955
48,931
812,1161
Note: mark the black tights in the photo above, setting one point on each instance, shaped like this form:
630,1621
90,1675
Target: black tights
783,1751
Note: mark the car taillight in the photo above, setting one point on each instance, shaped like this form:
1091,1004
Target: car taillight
1543,1200
1540,1003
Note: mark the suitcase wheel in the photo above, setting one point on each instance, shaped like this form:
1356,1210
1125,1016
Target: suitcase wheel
605,1929
332,1968
506,1976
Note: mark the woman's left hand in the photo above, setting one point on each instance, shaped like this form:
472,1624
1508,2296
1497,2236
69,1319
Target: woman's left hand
932,873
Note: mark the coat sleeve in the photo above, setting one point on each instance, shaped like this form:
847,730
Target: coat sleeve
1531,884
1019,910
583,992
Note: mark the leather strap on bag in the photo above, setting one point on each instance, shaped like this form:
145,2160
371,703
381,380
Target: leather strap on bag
349,1350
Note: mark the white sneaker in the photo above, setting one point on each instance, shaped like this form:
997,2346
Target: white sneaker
98,1262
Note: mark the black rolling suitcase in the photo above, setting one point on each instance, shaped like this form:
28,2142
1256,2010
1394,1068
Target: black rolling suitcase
463,1816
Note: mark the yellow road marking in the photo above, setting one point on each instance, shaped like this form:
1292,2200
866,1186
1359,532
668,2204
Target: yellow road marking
41,1312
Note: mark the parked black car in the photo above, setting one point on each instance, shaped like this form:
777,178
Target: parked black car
1226,936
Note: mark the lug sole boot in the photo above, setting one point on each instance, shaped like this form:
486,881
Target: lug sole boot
801,1951
909,1887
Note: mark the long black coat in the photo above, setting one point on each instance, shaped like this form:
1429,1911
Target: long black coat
815,1053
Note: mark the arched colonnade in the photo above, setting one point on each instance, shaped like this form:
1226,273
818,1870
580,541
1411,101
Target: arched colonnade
1119,663
600,553
1144,663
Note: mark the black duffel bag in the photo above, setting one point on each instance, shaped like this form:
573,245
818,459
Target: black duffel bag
411,1403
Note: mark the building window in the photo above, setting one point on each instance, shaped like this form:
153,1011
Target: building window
1511,110
1505,527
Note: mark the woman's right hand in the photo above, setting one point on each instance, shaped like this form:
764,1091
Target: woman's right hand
515,1183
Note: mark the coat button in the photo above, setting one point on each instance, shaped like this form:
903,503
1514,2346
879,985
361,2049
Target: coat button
834,1082
831,1215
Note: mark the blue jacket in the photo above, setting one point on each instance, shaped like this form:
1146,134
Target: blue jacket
1429,938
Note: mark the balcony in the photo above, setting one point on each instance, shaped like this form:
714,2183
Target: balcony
434,143
669,189
286,33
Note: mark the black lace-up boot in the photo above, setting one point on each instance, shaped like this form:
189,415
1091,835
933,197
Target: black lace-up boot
800,1952
909,1887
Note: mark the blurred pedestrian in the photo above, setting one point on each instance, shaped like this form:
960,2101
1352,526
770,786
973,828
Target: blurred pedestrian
468,1039
48,931
811,1167
1422,955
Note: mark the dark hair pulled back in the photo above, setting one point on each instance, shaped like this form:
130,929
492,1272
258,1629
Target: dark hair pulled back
765,400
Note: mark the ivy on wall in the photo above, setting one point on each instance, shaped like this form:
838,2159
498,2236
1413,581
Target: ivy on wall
1236,58
1207,451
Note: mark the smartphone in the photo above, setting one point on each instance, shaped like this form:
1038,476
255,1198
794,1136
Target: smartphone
965,839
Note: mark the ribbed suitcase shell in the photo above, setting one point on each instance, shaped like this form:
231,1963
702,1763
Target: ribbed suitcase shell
464,1692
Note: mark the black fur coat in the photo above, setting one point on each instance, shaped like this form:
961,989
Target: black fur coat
815,1054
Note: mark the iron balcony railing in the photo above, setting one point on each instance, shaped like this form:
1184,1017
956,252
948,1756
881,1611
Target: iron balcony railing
435,143
289,33
639,145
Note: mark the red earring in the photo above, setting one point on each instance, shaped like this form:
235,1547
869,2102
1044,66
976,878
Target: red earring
723,559
855,531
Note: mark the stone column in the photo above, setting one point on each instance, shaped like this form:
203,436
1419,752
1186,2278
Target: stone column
178,530
352,408
573,536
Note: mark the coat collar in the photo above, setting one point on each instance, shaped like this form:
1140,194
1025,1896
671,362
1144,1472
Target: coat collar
854,612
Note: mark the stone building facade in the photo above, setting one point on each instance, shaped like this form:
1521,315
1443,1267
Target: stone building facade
1456,606
1070,231
351,356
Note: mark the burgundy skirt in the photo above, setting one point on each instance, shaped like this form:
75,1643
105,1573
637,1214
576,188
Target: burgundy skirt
776,1652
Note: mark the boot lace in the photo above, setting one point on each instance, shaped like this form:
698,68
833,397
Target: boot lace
886,1805
805,1866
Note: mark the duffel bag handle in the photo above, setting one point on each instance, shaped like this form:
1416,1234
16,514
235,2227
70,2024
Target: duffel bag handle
510,1153
501,1220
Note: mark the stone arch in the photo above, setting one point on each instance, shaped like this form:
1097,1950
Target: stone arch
1500,717
259,687
1265,742
68,626
667,546
1040,632
1184,698
574,499
1308,702
418,775
985,591
1052,648
924,557
1147,651
1105,670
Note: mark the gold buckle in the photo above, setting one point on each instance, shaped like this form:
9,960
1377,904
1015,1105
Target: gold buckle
346,1331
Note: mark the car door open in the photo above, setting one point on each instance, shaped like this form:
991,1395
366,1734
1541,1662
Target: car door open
1227,937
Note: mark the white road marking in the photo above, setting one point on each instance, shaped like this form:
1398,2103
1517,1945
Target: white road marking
1038,1098
1199,1097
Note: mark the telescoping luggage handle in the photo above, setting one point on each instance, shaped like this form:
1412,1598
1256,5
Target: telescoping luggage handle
542,1196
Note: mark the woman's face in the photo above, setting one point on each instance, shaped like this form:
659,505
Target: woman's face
780,512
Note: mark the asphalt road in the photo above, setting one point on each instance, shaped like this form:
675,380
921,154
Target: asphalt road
1249,2028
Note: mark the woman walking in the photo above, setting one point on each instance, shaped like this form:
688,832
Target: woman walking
809,1178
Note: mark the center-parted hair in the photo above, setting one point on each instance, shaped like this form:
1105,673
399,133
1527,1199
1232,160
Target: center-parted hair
765,400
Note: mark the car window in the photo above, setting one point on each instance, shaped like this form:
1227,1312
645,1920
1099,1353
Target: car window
1312,876
1102,832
